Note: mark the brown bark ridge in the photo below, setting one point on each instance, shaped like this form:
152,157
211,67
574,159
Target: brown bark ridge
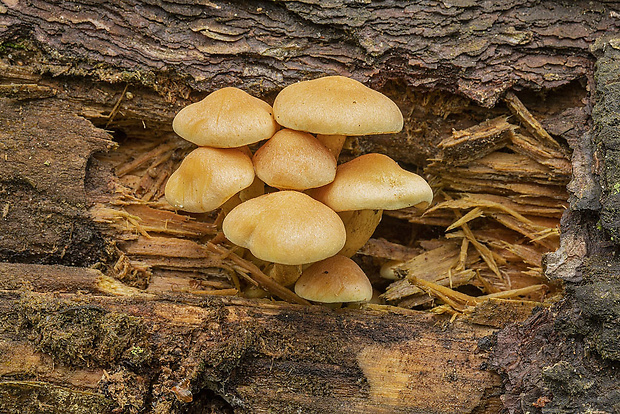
477,49
45,153
131,349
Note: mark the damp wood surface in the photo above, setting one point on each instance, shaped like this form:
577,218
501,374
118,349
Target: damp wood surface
86,145
259,355
164,273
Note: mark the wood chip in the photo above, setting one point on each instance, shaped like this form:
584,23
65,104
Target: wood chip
531,124
385,249
469,144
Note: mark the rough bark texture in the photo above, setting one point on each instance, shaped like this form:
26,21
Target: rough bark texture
133,64
46,151
479,49
567,359
606,135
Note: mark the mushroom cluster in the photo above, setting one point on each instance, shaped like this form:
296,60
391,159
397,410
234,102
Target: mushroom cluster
290,203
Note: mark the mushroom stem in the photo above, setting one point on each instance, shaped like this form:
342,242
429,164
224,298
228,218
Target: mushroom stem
285,275
256,189
333,143
359,225
225,208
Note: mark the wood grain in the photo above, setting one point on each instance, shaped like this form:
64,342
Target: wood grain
260,356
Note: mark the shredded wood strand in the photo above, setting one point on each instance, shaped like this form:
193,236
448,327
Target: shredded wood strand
531,124
265,281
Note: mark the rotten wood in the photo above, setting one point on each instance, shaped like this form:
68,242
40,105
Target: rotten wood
259,355
181,48
44,151
92,64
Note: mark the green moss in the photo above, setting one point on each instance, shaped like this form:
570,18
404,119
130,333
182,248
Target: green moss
14,45
563,378
75,333
27,397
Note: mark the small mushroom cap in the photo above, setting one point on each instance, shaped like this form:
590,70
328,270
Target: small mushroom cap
294,160
336,105
207,178
227,118
337,279
286,227
373,182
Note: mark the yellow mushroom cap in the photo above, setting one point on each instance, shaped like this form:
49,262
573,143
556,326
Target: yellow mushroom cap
286,227
373,182
227,118
336,105
336,279
294,160
207,178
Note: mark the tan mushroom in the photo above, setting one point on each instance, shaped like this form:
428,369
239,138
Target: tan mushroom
374,181
207,178
227,118
360,225
336,106
371,183
294,160
334,280
286,227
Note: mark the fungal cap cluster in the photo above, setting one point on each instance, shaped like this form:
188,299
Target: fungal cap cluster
340,206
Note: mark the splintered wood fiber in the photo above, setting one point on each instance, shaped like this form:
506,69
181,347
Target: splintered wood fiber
499,181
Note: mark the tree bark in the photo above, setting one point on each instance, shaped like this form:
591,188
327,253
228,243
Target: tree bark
476,49
73,73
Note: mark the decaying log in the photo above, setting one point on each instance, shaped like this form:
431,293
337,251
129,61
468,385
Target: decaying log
45,150
87,95
475,50
259,355
569,356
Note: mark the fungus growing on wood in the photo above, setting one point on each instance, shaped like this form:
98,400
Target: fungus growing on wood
337,279
370,184
294,160
286,227
336,106
207,178
289,228
374,181
227,118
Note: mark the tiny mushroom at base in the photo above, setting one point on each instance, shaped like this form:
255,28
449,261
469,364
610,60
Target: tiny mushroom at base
334,280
